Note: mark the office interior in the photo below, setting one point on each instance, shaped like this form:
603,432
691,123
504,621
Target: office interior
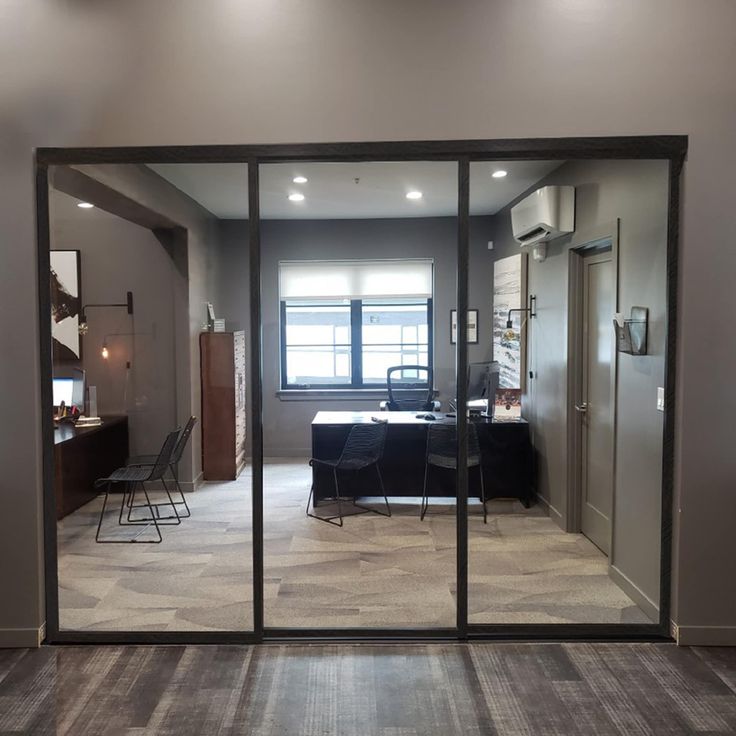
570,528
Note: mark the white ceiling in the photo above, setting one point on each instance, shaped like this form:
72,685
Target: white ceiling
333,193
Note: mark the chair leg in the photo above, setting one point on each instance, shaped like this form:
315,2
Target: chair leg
155,523
425,500
175,474
383,493
326,519
102,512
172,504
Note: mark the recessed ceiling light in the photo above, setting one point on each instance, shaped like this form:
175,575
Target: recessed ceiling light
85,205
300,180
499,174
296,197
414,195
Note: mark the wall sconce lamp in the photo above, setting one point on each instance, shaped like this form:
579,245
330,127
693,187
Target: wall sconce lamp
532,309
84,327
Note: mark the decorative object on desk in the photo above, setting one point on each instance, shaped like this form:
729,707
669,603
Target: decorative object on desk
472,326
66,277
509,288
507,404
218,325
631,334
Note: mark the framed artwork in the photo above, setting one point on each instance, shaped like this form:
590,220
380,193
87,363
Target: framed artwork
472,326
66,305
509,287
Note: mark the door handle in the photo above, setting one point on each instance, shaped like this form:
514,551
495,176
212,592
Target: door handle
582,408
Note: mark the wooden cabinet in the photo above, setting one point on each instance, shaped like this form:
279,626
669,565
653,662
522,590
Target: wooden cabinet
222,356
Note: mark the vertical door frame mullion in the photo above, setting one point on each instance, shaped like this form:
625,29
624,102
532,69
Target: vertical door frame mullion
256,373
461,373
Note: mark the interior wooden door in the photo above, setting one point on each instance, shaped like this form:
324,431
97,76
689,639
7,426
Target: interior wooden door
596,408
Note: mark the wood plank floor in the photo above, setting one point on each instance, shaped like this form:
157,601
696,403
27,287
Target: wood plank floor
360,690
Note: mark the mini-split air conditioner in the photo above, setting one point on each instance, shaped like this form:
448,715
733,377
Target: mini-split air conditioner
544,215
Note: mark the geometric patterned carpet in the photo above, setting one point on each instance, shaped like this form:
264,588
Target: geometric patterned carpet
373,572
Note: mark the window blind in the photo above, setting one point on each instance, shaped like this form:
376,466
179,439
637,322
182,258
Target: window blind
355,279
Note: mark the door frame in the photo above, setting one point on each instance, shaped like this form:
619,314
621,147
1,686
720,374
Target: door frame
672,148
602,238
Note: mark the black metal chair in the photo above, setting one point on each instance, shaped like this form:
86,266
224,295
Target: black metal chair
148,460
408,397
442,453
363,449
132,476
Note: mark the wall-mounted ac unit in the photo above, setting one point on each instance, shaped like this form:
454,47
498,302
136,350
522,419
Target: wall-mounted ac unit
544,215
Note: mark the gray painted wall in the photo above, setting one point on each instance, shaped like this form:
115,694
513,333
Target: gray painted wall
120,74
287,421
117,256
194,251
635,193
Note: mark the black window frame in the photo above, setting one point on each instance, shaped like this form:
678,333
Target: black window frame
356,347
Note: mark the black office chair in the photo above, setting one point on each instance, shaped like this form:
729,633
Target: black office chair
409,398
442,453
133,476
147,460
363,449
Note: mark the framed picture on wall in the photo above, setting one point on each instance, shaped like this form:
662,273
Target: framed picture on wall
472,326
66,305
509,292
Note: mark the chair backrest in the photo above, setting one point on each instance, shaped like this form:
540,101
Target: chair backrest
409,398
183,439
164,456
442,442
364,445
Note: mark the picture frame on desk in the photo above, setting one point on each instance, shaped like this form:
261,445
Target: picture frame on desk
472,326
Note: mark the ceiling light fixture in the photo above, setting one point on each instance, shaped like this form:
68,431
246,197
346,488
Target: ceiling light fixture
85,205
414,195
300,180
499,174
296,197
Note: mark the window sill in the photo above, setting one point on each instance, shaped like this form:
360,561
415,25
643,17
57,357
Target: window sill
334,394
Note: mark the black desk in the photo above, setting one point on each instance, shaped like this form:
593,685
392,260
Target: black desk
505,450
84,454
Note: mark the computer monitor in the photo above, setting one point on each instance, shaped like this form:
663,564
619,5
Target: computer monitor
69,387
63,391
483,382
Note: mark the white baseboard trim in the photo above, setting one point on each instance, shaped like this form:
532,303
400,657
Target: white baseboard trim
634,592
706,636
551,510
192,485
22,638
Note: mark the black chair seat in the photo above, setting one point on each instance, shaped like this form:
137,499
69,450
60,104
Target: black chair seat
128,474
445,461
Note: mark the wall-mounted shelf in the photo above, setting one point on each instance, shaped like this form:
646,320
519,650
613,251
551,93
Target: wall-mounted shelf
631,337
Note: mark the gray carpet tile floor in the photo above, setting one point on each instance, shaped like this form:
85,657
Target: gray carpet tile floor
369,690
372,572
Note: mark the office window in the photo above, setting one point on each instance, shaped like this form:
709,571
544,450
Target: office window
350,342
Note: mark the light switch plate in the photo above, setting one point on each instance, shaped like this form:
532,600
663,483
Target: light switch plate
660,398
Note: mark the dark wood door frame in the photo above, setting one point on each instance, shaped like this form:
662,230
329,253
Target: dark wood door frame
672,148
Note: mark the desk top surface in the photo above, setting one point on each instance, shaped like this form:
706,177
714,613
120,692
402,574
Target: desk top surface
394,417
66,431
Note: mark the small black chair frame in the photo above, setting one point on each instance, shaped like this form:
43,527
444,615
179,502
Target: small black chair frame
133,476
442,453
363,449
148,460
420,398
